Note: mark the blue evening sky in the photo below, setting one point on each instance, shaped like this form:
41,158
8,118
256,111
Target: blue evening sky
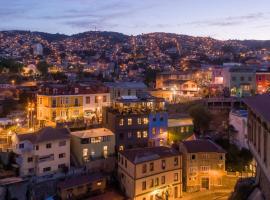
222,19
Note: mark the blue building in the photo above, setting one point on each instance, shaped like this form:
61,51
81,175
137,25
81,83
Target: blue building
158,125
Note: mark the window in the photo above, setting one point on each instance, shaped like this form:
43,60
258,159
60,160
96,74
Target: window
53,102
121,148
221,157
49,145
163,164
85,152
129,121
30,159
153,131
154,119
161,119
139,121
87,100
193,157
129,92
53,115
129,134
151,166
233,78
104,98
249,78
242,78
163,180
175,177
157,181
31,170
121,122
96,99
40,100
21,146
145,120
46,169
144,168
76,90
139,134
151,183
176,161
61,166
37,147
205,156
125,163
62,155
205,168
62,143
76,103
144,185
145,134
161,131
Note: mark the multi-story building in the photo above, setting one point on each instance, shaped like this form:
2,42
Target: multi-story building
150,173
65,103
263,80
259,139
173,76
238,119
94,148
186,88
240,80
203,165
128,119
43,152
179,128
119,89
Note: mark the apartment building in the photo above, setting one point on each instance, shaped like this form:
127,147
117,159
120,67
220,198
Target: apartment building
259,139
203,165
43,152
94,148
65,103
240,80
128,119
150,173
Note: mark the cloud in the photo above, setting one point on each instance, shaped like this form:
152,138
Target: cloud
229,21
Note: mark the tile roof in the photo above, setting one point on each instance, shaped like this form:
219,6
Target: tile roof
80,180
141,155
198,146
260,104
45,134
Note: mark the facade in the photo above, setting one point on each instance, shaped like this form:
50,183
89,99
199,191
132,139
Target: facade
128,119
65,103
44,152
259,139
203,165
119,89
179,128
263,80
81,186
238,119
94,148
167,94
240,80
150,173
172,76
186,88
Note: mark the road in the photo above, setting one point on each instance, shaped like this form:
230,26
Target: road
222,194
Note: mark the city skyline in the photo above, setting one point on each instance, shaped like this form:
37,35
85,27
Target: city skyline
221,20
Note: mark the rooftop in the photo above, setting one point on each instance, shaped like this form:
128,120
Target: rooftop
180,122
96,132
45,134
80,180
200,146
260,105
141,155
137,85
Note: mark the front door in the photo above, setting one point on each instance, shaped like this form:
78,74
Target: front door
205,183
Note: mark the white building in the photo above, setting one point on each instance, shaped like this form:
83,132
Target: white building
238,119
44,152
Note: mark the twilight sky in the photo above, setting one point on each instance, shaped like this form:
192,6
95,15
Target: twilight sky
222,19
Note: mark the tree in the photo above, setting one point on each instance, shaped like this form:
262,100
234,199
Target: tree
201,117
43,66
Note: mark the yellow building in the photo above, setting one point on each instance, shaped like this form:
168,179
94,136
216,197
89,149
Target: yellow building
150,173
203,165
65,103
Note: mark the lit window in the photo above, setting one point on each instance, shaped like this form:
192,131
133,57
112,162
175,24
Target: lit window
175,176
129,121
144,168
151,166
139,134
121,122
163,180
139,121
145,120
145,134
144,185
85,152
129,134
153,131
121,148
163,164
176,161
99,183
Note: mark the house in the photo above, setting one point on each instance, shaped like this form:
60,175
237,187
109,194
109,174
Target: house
179,128
150,173
43,152
263,80
203,165
94,148
259,140
81,186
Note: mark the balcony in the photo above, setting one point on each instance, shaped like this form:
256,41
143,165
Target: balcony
46,158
